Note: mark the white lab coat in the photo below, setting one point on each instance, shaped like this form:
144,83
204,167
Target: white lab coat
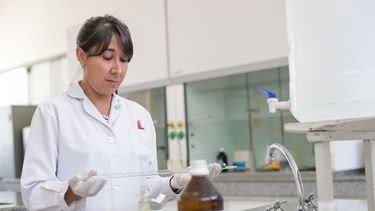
68,135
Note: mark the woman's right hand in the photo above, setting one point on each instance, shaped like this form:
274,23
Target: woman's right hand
87,183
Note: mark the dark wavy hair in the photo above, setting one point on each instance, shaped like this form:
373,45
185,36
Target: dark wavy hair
96,34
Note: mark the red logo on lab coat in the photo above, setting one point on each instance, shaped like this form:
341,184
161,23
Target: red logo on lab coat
140,125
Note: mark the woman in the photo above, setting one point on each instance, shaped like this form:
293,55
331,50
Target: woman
90,129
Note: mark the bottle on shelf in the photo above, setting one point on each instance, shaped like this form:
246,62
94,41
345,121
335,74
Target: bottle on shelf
222,158
200,194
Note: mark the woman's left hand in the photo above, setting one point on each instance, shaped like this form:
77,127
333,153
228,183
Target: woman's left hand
180,180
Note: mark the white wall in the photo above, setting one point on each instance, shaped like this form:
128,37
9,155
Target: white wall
146,21
36,30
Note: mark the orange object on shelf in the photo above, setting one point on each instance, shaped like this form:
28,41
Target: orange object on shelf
273,166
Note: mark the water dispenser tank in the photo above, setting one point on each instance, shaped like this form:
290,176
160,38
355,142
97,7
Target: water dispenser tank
331,59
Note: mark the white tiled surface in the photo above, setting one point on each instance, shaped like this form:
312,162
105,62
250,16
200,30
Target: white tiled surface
243,203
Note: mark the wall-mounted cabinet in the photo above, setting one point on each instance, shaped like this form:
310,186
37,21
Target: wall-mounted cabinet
175,39
211,35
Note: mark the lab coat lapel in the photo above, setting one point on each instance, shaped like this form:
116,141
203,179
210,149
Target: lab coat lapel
76,91
116,109
90,109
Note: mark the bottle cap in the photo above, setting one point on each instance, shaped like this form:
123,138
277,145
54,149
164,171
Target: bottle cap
199,167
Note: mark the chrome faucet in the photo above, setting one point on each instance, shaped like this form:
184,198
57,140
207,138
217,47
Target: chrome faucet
305,202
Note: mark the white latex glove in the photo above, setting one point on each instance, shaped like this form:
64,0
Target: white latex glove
215,169
180,180
87,183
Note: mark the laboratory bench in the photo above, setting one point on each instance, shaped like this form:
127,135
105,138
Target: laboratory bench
251,191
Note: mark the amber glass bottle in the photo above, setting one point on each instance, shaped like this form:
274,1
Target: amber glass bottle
200,194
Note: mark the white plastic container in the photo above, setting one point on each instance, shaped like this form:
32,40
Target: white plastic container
331,58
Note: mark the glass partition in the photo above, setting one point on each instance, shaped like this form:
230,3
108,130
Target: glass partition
232,113
266,128
217,117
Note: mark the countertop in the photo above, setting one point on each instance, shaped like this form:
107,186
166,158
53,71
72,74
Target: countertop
278,185
349,184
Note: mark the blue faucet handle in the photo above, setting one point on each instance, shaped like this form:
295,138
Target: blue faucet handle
269,93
